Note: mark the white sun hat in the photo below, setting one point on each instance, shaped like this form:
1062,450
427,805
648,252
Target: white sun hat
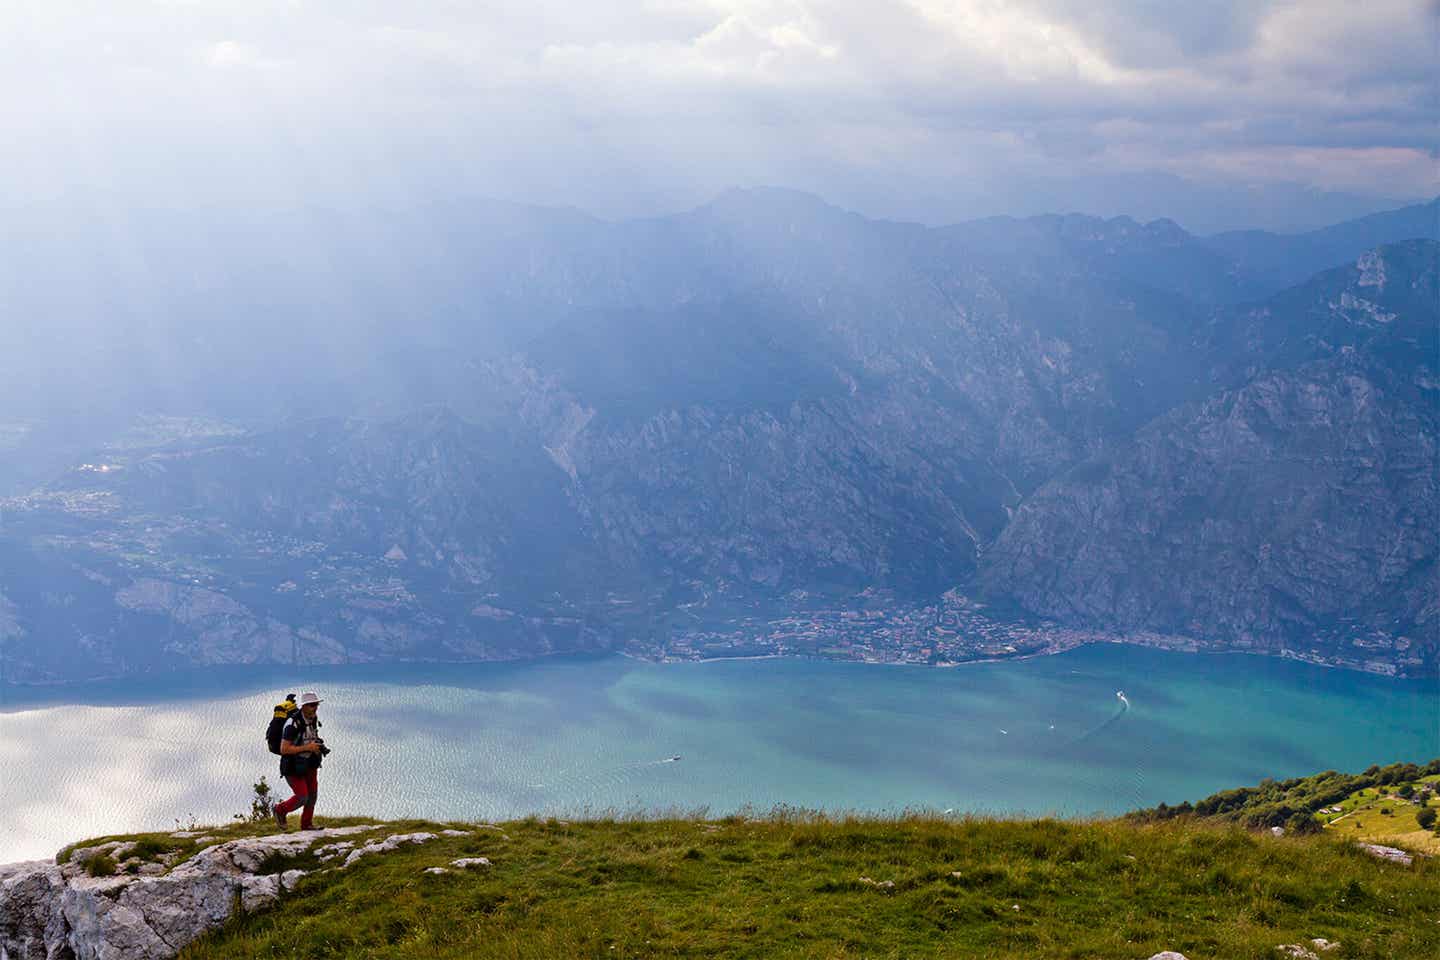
309,697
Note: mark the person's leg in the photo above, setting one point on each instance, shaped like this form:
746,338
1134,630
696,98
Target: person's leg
300,787
312,784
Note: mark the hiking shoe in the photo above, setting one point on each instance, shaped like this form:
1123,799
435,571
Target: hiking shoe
279,819
312,827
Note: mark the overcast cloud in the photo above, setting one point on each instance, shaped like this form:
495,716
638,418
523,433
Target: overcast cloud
1283,115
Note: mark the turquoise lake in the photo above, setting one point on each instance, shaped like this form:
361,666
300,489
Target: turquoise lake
567,736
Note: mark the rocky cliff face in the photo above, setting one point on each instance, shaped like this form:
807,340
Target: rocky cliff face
764,396
1297,511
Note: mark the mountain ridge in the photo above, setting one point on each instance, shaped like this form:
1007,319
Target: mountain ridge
733,413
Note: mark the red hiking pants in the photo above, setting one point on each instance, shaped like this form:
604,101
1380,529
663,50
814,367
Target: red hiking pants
304,785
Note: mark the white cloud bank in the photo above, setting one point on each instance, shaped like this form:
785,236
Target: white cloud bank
936,109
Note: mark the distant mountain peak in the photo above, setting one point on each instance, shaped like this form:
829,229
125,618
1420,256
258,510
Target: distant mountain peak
1167,231
772,201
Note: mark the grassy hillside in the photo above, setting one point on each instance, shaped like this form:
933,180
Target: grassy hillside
798,885
1390,815
1384,804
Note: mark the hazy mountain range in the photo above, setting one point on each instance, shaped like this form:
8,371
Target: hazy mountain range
497,431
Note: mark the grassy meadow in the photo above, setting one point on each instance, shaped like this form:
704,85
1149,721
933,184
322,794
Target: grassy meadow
793,884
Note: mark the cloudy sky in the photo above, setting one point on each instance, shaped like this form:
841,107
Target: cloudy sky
1219,114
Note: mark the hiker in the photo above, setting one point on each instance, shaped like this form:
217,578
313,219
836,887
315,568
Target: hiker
301,750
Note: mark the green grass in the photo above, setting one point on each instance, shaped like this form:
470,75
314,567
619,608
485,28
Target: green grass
1363,818
100,865
789,885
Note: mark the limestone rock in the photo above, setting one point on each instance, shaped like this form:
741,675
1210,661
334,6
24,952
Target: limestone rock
31,921
388,843
1388,853
115,849
465,863
332,850
50,911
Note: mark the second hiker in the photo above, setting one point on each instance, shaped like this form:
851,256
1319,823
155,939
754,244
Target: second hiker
301,751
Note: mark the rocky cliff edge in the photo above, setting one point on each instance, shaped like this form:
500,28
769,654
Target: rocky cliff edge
151,906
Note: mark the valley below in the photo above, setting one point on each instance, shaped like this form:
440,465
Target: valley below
764,427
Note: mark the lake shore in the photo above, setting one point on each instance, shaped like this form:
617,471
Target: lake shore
565,734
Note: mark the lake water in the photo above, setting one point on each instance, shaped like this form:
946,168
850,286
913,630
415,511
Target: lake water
565,736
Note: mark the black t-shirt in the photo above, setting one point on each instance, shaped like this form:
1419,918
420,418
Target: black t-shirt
299,764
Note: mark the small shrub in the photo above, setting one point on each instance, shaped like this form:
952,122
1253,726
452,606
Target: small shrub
1386,812
147,848
100,865
152,849
261,804
1426,817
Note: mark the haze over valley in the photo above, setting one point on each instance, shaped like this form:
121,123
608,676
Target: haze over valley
719,478
765,425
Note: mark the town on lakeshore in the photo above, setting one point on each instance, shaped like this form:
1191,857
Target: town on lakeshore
234,591
874,626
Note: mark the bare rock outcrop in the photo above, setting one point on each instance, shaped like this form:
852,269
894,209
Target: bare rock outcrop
1393,854
54,911
386,844
468,863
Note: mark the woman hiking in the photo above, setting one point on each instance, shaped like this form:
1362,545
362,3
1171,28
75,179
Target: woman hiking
301,751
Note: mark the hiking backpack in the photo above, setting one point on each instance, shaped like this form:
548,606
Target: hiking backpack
284,710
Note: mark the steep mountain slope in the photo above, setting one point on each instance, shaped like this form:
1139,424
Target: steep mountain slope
326,542
1301,505
578,428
